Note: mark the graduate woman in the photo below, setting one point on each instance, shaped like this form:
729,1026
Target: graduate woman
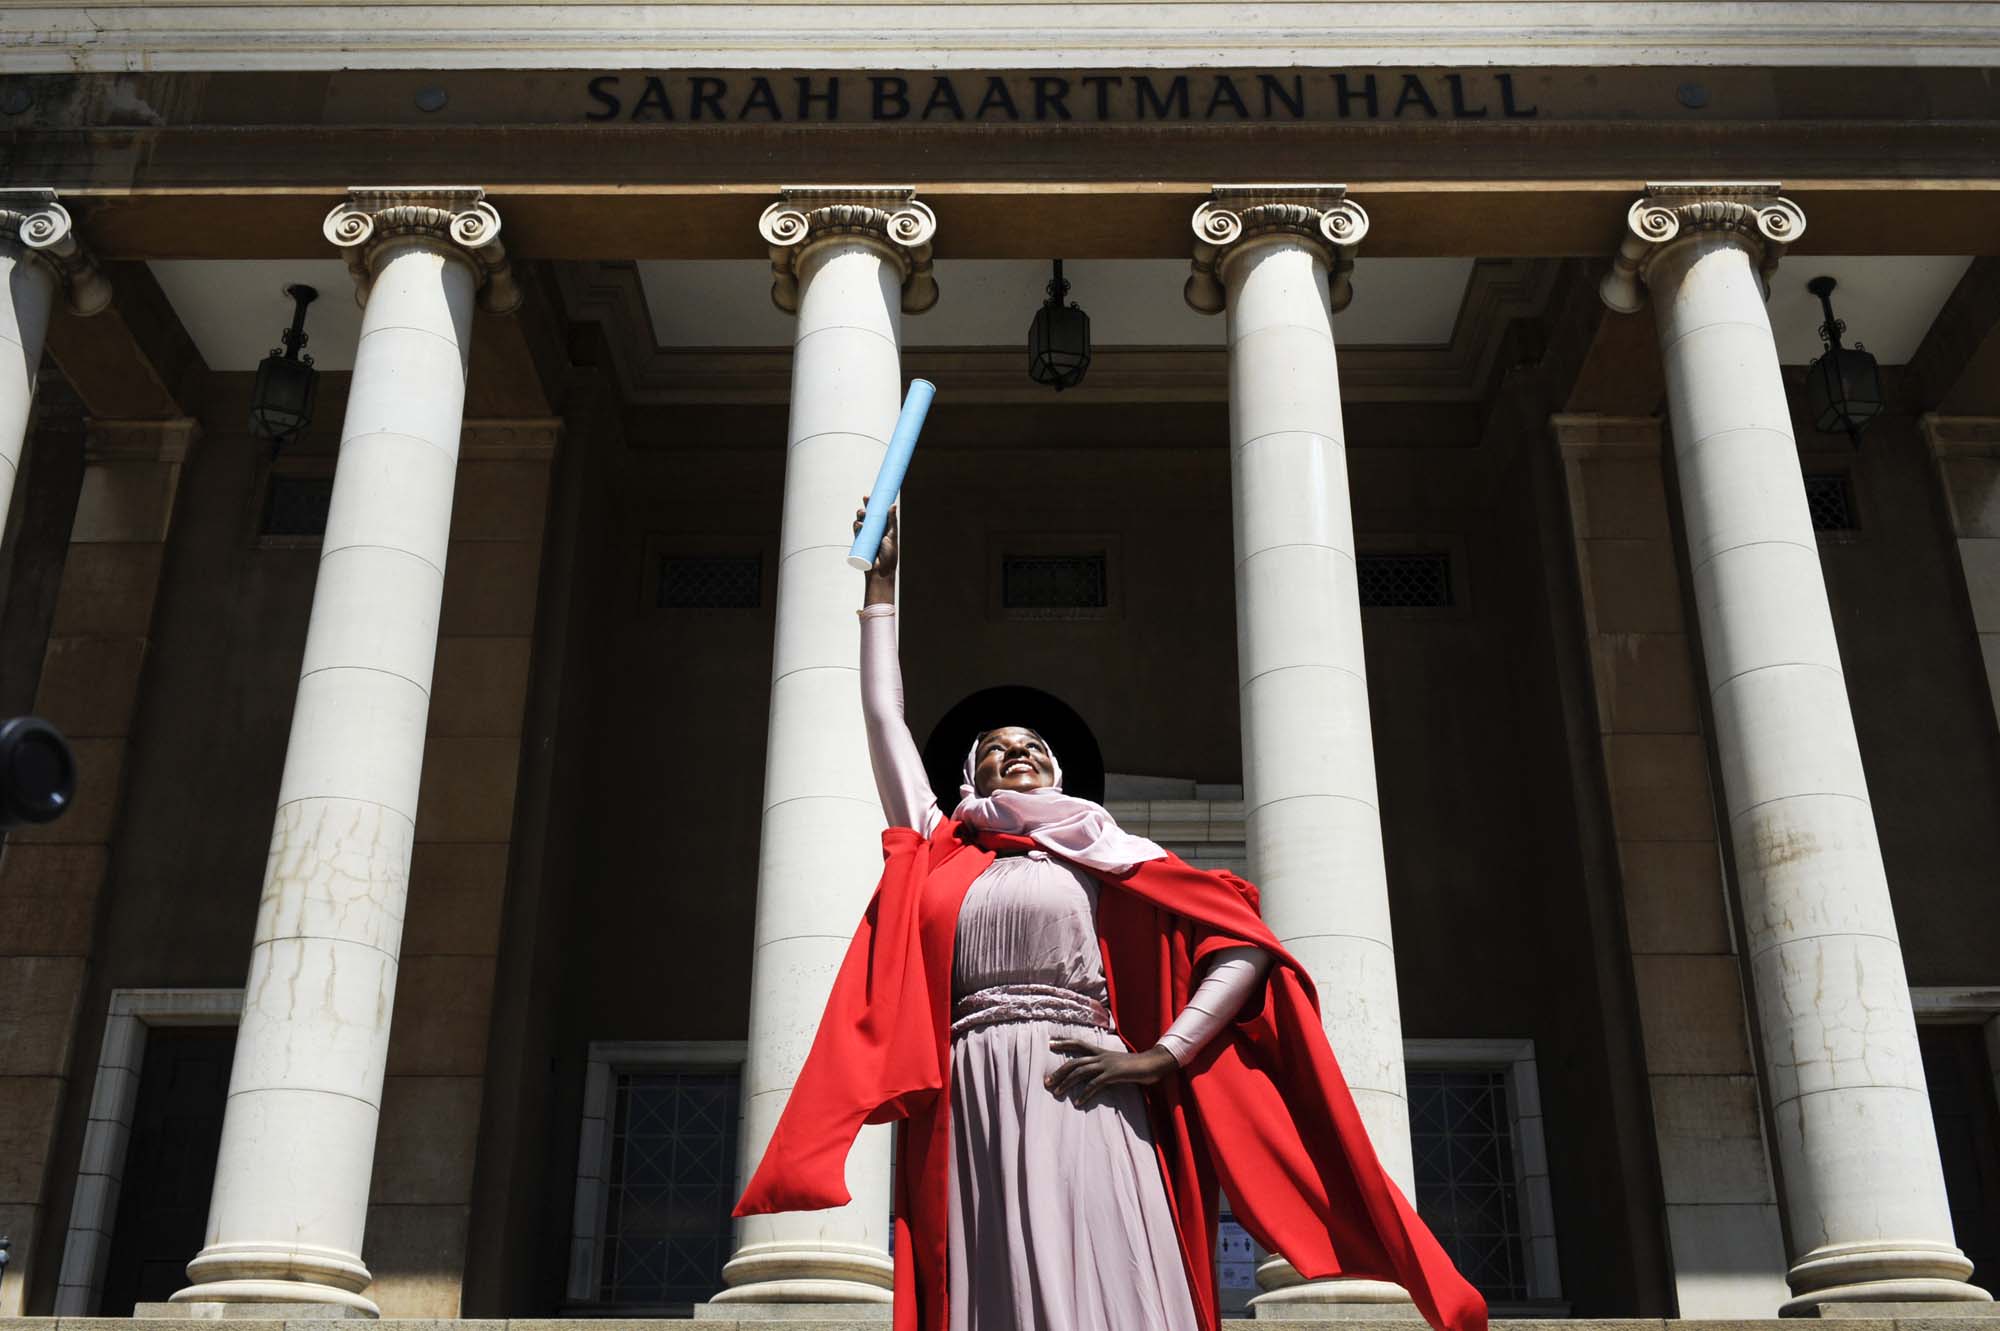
1080,1035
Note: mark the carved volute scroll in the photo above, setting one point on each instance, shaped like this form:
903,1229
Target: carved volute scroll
1236,214
34,226
887,216
372,223
1753,214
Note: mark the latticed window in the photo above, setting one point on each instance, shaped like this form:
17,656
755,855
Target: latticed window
297,505
1052,582
1404,580
671,1184
1830,499
1468,1191
711,582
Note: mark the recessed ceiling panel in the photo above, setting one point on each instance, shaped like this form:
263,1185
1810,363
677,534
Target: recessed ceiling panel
234,309
1888,302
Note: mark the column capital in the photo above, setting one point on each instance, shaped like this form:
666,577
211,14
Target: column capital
370,224
1751,213
34,225
1236,214
889,216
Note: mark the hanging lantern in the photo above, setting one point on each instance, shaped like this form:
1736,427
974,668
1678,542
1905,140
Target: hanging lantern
281,404
1058,339
1844,386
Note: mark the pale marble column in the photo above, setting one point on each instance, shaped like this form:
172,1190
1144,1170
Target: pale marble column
39,255
1863,1191
850,262
1278,259
298,1140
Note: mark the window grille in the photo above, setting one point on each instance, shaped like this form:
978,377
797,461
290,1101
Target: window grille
1467,1190
672,1182
1830,499
711,582
297,505
1052,582
1404,580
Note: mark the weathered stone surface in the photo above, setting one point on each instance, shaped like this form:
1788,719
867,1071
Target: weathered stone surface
1631,586
424,1150
1659,787
1693,1014
417,1256
468,789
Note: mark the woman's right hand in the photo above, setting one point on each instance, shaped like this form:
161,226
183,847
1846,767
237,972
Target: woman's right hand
881,586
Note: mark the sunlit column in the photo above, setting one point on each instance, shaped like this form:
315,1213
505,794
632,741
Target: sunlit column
1277,259
1863,1190
305,1093
39,257
850,263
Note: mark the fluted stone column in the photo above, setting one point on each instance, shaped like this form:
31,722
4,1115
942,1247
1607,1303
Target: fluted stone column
1863,1190
849,262
39,256
1278,260
298,1140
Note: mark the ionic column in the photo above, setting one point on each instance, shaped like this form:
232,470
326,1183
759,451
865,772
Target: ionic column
39,254
1862,1187
849,262
1278,259
298,1140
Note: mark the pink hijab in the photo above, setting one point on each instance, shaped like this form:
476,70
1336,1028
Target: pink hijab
1067,826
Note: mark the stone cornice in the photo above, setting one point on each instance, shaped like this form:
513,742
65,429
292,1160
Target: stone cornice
1751,213
140,441
371,223
66,37
886,216
1235,215
1961,436
1584,435
34,225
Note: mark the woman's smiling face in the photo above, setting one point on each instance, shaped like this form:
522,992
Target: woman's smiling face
1011,758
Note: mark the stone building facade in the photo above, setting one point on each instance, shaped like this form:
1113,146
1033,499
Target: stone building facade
472,801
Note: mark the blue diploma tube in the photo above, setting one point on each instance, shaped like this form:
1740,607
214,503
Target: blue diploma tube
889,480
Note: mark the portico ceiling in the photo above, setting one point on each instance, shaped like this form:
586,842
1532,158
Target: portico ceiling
234,309
988,303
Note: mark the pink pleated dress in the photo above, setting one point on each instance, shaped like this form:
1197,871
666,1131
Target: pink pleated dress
1060,1219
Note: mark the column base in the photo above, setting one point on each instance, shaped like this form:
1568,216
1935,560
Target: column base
1902,1312
262,1274
1288,1295
860,1314
1878,1273
215,1311
805,1272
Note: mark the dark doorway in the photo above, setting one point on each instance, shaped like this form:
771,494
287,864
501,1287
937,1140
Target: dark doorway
1968,1129
1013,705
170,1164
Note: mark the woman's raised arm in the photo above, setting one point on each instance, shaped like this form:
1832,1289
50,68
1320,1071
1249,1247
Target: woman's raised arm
907,800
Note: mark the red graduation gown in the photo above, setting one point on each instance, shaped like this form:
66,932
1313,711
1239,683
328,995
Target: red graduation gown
1263,1110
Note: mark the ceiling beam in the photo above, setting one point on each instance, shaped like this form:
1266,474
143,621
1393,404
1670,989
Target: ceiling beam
1956,368
520,360
132,360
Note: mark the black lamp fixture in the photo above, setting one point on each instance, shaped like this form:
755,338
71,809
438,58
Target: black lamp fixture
282,402
1058,339
1844,386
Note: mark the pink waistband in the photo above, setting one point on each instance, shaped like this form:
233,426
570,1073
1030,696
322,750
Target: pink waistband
1002,1003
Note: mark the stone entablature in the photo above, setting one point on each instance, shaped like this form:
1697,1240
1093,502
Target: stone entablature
67,37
